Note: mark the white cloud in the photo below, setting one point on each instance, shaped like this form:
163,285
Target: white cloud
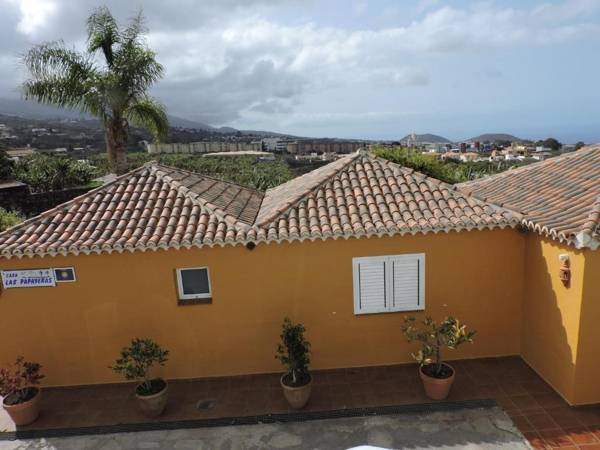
235,59
34,14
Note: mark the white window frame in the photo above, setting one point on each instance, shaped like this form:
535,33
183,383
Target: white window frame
180,290
389,283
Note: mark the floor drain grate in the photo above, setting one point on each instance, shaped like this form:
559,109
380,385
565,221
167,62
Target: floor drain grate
204,405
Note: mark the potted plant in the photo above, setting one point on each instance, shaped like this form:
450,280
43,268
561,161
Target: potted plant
21,397
135,363
293,353
437,376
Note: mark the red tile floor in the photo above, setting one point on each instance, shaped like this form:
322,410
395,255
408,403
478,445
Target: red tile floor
543,417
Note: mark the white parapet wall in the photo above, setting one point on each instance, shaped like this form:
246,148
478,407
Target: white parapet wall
203,147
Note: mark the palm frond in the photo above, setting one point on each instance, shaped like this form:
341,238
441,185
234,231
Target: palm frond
53,58
135,29
148,113
103,33
62,77
137,68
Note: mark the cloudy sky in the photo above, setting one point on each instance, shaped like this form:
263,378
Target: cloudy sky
354,68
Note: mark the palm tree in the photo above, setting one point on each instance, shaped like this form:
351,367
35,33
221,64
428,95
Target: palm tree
113,88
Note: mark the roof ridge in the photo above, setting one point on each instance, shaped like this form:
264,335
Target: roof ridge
74,200
453,188
194,196
158,164
592,224
296,197
532,166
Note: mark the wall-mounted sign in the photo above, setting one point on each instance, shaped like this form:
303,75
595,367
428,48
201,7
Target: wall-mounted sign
28,278
64,274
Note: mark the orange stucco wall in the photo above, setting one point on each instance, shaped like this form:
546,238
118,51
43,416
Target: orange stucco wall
76,329
552,313
587,375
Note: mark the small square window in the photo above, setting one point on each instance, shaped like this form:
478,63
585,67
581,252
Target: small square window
193,283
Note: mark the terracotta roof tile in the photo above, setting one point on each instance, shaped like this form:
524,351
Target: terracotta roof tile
559,197
361,195
161,207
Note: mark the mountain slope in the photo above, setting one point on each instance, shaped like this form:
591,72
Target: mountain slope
492,137
427,138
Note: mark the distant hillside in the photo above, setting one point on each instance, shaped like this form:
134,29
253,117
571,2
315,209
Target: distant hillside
493,137
427,138
36,111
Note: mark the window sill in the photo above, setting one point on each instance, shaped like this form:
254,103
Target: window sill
194,301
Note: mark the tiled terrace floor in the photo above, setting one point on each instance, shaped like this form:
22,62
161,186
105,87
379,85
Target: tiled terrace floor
543,417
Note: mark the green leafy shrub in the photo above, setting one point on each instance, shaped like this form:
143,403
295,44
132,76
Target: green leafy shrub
449,171
6,165
245,170
448,333
45,173
9,219
18,381
136,361
293,352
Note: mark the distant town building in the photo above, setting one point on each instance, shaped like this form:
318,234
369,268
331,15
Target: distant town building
282,145
17,153
203,147
317,157
265,156
308,146
541,156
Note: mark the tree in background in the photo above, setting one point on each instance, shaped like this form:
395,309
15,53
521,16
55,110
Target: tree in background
45,173
115,91
579,145
245,170
550,143
9,219
448,171
6,165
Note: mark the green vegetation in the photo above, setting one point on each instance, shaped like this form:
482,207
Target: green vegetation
448,171
18,381
550,143
115,91
9,219
45,173
433,336
293,352
136,361
6,165
244,170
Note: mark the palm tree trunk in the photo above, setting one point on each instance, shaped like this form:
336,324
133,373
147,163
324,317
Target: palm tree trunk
116,145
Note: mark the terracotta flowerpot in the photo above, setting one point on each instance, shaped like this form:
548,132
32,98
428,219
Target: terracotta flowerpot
24,413
297,397
153,405
437,388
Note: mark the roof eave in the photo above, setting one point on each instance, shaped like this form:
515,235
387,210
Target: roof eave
585,240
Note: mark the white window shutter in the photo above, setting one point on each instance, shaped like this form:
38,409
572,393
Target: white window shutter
370,285
408,282
389,283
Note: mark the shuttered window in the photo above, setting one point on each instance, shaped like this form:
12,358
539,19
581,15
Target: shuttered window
389,283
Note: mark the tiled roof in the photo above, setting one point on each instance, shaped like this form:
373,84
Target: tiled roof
238,201
363,196
161,207
149,208
559,197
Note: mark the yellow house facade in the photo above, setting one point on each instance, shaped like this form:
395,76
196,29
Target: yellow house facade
348,250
